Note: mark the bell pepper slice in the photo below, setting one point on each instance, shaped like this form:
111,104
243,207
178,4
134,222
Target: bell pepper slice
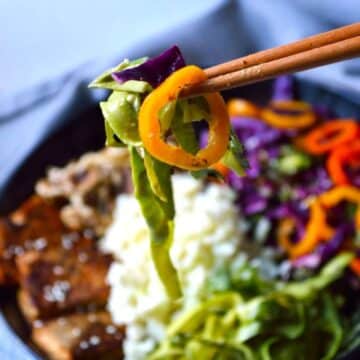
330,135
340,193
316,230
242,107
333,197
221,168
150,131
339,158
288,114
355,266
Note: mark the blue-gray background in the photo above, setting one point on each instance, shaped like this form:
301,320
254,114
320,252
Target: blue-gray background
49,50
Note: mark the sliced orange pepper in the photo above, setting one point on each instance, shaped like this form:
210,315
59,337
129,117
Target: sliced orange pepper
221,168
316,230
149,126
355,266
242,107
346,154
288,114
283,232
330,135
357,218
334,196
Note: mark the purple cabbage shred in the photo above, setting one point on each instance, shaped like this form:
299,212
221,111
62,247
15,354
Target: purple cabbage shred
155,70
283,88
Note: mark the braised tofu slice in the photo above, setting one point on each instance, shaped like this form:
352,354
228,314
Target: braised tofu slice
80,336
36,225
62,279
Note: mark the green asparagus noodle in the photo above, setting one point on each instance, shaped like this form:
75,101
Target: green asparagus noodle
195,109
159,217
166,116
332,325
329,273
105,80
159,174
352,333
206,173
111,138
133,86
191,320
184,133
234,157
121,117
265,348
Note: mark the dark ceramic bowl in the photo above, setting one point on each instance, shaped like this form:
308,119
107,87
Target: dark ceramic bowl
84,133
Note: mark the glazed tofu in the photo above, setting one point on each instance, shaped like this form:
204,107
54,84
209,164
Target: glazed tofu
80,336
36,225
63,279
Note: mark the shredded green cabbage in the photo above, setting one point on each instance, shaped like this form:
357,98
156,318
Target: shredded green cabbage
282,321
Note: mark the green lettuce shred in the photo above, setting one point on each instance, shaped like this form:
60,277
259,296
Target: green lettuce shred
272,321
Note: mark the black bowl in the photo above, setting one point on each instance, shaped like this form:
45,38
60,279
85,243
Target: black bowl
85,133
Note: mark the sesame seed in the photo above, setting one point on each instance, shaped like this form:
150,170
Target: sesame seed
94,340
92,317
39,244
76,332
110,329
18,250
58,270
84,345
38,324
61,321
83,257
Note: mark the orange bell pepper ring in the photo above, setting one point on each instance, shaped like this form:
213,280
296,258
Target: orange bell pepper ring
316,230
340,193
288,114
339,158
330,135
221,168
150,131
242,107
349,193
355,266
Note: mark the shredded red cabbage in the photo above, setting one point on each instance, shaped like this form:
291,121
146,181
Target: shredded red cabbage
310,261
283,88
155,70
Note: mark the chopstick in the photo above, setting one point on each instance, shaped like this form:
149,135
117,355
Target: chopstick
321,49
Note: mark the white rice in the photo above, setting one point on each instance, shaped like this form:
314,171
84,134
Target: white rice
207,233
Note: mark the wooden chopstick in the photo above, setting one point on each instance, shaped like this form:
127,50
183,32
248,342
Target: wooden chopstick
308,43
325,48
